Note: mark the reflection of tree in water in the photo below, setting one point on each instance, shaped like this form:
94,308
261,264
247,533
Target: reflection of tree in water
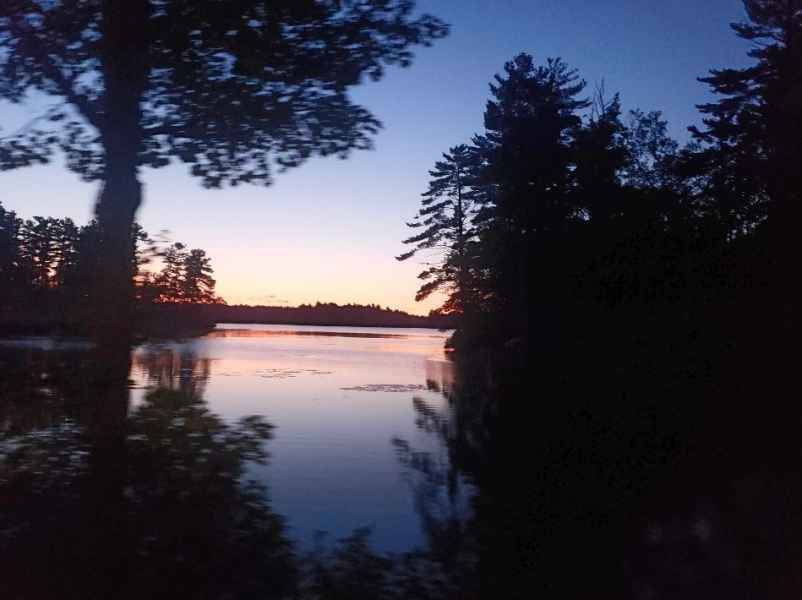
611,494
629,483
445,568
155,506
165,368
39,388
440,494
150,500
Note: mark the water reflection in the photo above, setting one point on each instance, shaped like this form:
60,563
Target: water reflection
141,488
268,333
443,479
164,368
336,402
150,503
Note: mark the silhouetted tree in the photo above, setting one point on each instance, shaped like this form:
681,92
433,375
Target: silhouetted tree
66,248
749,163
446,219
48,268
39,239
226,87
11,276
599,154
652,153
185,277
170,278
527,158
198,284
751,135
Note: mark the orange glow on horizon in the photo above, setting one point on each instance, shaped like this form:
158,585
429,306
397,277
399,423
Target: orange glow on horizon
299,276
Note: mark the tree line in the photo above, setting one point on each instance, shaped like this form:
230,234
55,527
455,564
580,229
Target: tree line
639,301
325,313
566,205
48,265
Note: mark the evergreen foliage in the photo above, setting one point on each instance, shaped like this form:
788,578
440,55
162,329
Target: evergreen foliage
575,207
49,265
445,219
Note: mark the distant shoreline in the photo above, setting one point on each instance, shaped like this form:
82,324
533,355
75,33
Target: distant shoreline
324,324
319,315
189,320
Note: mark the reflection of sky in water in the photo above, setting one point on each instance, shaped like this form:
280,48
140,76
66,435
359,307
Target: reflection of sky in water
337,398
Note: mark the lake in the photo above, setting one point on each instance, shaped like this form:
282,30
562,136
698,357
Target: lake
229,466
338,397
345,405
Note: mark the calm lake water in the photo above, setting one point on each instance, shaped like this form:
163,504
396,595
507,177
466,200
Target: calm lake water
338,397
344,402
208,469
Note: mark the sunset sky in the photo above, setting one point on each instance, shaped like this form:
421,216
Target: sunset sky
329,230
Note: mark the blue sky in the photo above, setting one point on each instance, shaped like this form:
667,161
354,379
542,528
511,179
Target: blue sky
329,230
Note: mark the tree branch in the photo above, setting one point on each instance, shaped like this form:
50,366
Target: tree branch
35,50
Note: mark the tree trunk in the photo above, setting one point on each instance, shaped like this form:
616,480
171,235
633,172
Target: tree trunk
124,77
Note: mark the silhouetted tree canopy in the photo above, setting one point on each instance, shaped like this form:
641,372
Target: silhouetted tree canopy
48,268
227,87
230,88
751,135
576,205
447,231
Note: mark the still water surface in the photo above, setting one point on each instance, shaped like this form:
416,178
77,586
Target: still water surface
340,399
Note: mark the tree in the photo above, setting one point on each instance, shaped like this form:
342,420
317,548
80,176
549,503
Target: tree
752,133
527,163
39,247
198,284
600,155
229,88
171,278
67,235
49,250
185,277
11,276
751,143
446,219
652,153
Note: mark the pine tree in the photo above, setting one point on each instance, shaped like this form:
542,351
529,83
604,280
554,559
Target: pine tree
197,284
600,155
651,152
752,134
527,158
40,237
12,278
446,220
66,250
750,156
171,277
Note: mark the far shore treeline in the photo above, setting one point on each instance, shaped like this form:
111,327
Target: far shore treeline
325,313
47,265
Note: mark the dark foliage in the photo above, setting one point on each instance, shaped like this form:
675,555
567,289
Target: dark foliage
229,88
638,300
48,267
324,313
448,233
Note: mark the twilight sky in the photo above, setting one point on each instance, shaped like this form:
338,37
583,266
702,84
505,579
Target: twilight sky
329,230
